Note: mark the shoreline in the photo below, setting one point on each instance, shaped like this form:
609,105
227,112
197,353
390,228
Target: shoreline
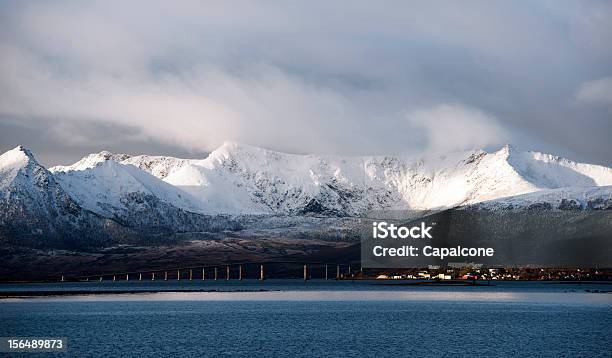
70,290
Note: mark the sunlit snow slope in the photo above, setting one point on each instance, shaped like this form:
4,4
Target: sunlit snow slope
241,179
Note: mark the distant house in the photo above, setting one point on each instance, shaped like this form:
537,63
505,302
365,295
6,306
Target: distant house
424,274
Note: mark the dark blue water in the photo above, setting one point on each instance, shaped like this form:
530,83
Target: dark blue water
525,319
311,285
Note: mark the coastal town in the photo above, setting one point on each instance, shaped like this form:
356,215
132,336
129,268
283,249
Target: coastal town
505,274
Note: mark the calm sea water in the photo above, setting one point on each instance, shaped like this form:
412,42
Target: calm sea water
315,319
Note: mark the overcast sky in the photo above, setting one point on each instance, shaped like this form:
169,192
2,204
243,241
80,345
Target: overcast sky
179,78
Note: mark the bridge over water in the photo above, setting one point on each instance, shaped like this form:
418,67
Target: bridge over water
229,271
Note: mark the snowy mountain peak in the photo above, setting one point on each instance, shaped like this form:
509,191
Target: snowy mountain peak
243,179
14,161
159,166
24,150
17,154
109,188
238,177
90,161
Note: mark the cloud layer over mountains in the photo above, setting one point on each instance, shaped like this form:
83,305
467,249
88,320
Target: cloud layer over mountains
344,78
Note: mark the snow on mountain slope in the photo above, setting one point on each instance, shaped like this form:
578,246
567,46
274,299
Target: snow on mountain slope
11,163
159,166
137,199
567,198
34,209
106,188
108,204
90,161
24,181
99,200
241,179
238,178
545,170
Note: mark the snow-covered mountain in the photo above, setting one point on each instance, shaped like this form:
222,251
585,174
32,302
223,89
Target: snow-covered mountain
120,191
237,179
159,166
135,198
241,179
111,197
35,209
100,204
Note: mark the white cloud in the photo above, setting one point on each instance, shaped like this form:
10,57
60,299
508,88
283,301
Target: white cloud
196,110
454,127
291,77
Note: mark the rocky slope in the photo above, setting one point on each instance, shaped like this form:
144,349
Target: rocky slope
36,211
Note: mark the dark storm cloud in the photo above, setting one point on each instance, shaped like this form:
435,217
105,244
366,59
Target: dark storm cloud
346,78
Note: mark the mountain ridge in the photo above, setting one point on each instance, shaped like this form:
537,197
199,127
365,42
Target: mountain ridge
157,165
242,179
112,197
356,184
36,211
